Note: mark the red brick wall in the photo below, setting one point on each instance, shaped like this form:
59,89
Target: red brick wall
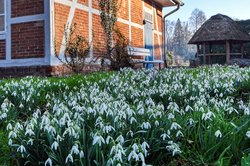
27,40
83,2
98,36
159,17
95,4
26,7
137,11
2,49
123,28
157,47
81,20
137,37
123,10
61,17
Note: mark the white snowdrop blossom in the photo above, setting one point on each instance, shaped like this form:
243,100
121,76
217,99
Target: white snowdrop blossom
55,145
69,159
98,140
248,134
81,154
175,126
21,149
48,162
146,125
174,148
218,134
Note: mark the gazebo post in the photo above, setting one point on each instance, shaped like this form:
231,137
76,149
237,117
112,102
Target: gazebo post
227,52
242,50
209,58
198,50
204,53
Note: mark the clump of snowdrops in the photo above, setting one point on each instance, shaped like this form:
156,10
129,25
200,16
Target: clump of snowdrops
173,116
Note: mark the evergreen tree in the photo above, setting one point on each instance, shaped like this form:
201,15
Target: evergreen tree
179,45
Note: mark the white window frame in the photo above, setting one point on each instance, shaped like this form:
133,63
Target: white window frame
4,14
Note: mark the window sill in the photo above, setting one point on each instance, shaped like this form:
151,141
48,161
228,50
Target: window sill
2,36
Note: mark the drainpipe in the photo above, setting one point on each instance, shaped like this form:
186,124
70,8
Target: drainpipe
164,28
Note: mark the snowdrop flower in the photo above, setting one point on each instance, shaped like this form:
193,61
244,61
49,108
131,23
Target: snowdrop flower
170,116
135,147
21,149
208,116
218,134
75,150
157,123
108,129
191,121
120,139
9,127
132,119
98,140
59,138
48,161
145,146
29,132
130,133
133,155
248,134
10,142
164,136
179,134
140,155
21,106
3,116
145,125
55,145
30,141
69,158
81,154
175,126
173,147
12,134
188,108
108,139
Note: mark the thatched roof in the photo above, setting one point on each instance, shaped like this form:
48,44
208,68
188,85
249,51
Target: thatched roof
220,28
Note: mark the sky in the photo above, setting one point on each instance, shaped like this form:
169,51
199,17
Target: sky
239,9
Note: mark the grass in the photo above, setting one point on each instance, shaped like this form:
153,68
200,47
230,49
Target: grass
176,117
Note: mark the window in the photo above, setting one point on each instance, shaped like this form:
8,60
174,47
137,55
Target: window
2,15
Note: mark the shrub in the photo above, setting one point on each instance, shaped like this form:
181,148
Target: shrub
120,57
77,49
116,42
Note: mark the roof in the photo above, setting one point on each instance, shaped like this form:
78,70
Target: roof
220,28
167,3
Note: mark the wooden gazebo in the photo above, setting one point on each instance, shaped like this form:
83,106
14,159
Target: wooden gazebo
220,37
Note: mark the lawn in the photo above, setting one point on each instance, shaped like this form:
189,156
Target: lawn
169,117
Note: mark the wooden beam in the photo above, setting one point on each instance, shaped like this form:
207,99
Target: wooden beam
198,49
227,52
242,50
204,53
209,57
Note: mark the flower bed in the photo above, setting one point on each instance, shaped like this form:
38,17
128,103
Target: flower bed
179,116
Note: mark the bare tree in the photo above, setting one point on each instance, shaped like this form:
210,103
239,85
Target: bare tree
170,25
197,18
